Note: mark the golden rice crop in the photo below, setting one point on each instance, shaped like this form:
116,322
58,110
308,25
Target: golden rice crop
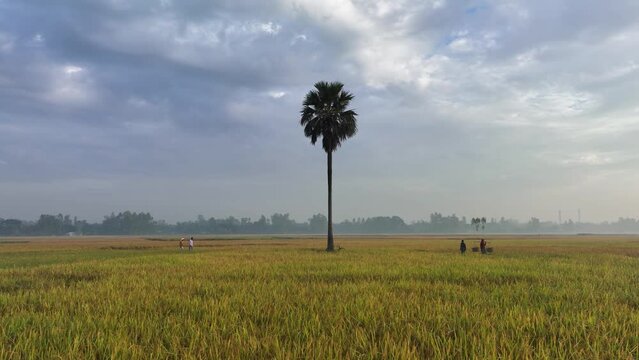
390,297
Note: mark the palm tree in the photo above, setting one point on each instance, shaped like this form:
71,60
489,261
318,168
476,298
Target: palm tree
325,114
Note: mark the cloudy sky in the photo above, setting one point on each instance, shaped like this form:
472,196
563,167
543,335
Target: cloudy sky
492,108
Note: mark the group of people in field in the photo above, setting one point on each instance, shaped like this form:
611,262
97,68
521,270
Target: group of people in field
190,244
462,245
482,246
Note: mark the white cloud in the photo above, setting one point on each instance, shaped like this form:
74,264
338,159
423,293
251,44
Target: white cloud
553,101
72,69
275,94
70,85
138,102
380,48
298,38
439,4
36,41
589,159
613,72
147,127
203,34
6,43
200,43
464,43
37,38
270,28
461,44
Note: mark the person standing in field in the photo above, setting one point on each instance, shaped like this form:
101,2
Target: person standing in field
482,246
462,247
191,243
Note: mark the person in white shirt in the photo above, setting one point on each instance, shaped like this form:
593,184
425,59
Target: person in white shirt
191,243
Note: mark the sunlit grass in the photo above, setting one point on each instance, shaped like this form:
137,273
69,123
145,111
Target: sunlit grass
383,298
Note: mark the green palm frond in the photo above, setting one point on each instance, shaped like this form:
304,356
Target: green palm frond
325,115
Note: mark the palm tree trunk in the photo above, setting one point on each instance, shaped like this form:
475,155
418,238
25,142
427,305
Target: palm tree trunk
330,246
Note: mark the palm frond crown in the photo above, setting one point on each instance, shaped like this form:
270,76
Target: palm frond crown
325,115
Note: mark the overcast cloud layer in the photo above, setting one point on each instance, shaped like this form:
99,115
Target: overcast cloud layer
490,108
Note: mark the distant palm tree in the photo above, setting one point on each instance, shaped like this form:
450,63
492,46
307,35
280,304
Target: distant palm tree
325,114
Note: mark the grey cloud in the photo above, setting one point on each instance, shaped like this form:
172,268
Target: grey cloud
186,107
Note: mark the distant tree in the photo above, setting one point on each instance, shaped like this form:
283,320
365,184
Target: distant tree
384,224
317,223
534,224
325,115
261,225
230,225
11,227
474,223
49,225
281,223
478,222
128,223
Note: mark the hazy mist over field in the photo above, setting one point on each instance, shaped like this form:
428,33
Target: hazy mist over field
480,108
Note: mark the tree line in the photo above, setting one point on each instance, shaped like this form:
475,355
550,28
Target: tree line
143,223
